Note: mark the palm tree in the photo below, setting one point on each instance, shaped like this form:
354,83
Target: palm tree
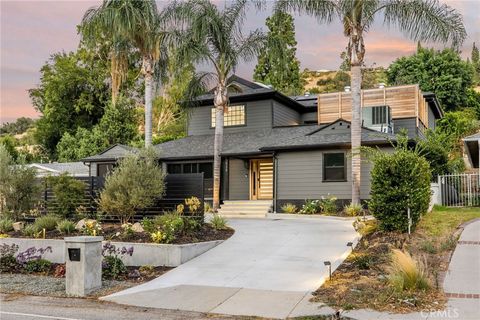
215,38
136,22
425,20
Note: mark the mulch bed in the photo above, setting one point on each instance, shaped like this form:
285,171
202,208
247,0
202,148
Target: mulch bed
114,232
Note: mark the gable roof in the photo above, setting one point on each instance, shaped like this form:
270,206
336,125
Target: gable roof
256,142
73,168
113,153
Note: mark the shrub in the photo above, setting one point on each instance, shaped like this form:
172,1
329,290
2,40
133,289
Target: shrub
92,227
328,204
353,210
289,208
428,247
8,262
133,185
449,243
207,207
366,228
38,265
195,208
69,193
363,261
29,230
311,207
157,236
112,264
48,222
17,184
148,225
406,274
66,226
400,180
170,225
218,222
190,225
6,225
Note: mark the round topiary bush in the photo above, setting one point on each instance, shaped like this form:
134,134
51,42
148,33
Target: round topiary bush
400,180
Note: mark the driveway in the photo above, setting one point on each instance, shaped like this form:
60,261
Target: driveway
268,268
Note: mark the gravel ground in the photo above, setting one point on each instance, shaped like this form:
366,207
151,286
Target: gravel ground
51,286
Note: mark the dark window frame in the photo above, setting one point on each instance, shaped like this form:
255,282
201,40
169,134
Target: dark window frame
324,167
192,164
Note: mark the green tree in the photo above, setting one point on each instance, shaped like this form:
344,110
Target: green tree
136,23
277,63
69,193
19,126
475,56
73,93
10,143
134,185
442,72
223,46
418,19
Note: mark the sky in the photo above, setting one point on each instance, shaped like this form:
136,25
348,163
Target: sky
31,31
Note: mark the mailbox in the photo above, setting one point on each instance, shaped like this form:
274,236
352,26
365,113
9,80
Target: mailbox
74,254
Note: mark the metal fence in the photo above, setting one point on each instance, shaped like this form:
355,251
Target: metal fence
460,190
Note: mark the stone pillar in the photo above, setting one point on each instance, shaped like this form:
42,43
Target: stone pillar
83,263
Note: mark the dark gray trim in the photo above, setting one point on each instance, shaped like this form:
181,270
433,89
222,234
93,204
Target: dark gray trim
324,146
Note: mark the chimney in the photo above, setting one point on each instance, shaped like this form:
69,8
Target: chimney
347,89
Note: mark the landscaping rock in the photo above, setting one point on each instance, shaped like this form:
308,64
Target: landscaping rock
80,225
17,226
137,227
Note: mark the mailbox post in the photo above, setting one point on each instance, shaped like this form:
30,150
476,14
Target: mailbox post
83,264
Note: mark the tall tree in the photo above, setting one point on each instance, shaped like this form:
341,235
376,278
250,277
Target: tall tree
418,19
136,22
277,64
475,56
215,38
443,72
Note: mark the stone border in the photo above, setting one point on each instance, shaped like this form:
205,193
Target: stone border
168,255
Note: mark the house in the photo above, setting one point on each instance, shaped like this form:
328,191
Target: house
76,169
472,149
287,149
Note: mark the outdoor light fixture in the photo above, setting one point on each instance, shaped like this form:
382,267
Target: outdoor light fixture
350,244
329,264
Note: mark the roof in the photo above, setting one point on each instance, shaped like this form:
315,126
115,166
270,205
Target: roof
251,91
433,101
73,168
473,137
472,149
113,153
255,142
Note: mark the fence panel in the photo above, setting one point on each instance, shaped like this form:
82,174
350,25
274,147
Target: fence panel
460,190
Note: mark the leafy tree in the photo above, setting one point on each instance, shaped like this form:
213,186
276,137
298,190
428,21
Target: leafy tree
222,46
277,64
475,56
73,93
9,143
442,72
19,126
118,125
400,180
18,188
134,185
419,19
436,148
69,193
131,24
457,125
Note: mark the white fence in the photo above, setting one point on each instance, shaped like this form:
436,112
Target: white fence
459,190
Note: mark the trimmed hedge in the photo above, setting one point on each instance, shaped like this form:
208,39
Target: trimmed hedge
400,180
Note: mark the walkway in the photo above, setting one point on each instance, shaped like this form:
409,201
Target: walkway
268,269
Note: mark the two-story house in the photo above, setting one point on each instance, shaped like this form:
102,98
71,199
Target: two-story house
287,149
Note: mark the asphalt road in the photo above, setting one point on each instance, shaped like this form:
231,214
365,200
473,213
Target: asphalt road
21,307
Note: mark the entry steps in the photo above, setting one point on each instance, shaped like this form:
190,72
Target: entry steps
245,208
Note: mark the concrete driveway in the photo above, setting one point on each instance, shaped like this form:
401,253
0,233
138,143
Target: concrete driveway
268,268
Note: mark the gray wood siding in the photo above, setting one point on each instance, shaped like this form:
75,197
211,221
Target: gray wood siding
258,116
299,176
93,169
309,116
409,124
284,116
238,182
431,119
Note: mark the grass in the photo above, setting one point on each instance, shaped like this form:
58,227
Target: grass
365,280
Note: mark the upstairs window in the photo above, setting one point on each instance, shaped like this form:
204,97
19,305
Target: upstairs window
334,168
233,116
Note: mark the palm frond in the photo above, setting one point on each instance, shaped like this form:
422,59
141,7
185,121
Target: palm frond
323,10
426,20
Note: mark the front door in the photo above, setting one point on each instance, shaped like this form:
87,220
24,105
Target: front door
261,179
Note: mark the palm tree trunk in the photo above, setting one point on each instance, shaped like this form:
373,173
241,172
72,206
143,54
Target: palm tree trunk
220,103
148,73
356,131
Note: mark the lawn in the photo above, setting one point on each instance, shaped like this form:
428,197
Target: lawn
362,279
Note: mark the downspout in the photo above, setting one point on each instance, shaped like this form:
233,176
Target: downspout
275,182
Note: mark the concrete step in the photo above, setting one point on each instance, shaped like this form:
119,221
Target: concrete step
245,208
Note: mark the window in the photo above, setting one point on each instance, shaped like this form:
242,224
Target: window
104,168
379,115
233,116
205,167
334,168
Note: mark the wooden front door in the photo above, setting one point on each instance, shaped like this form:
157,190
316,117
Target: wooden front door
261,179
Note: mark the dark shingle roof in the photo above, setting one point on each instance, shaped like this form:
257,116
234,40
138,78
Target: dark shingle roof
267,140
73,168
115,152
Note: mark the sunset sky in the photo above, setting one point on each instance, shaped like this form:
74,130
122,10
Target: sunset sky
33,30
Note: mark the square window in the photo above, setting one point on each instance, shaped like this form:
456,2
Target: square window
233,116
334,168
